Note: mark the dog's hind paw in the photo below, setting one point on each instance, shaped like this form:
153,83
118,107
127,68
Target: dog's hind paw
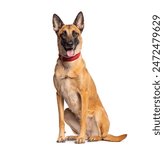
80,140
71,138
94,138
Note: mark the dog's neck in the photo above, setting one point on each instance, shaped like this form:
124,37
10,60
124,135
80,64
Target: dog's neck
72,65
70,62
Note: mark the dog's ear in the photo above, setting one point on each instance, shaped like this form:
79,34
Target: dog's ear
79,21
57,23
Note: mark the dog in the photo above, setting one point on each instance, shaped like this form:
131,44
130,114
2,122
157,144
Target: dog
85,114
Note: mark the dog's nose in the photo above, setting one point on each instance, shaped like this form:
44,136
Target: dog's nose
70,43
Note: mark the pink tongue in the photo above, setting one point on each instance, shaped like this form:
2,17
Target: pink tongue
70,53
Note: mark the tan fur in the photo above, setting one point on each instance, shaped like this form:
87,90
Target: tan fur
86,115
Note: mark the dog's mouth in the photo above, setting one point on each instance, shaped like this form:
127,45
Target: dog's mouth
69,47
70,52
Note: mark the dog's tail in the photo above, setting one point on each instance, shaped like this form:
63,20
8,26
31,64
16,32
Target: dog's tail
113,138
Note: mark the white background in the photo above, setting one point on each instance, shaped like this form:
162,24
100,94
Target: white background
117,50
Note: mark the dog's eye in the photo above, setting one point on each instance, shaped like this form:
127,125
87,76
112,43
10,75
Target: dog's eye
64,35
74,34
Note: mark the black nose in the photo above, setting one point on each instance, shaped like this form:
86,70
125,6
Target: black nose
70,43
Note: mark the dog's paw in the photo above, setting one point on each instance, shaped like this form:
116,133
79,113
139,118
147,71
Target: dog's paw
80,140
61,139
71,138
94,138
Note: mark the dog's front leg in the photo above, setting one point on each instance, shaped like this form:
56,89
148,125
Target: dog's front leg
84,107
60,101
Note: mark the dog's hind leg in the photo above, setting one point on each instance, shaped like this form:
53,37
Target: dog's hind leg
73,122
92,131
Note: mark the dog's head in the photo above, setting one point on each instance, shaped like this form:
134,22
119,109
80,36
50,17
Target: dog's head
69,36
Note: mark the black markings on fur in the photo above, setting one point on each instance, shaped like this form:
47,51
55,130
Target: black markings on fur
69,43
74,34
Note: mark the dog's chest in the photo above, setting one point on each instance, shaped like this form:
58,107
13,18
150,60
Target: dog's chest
69,92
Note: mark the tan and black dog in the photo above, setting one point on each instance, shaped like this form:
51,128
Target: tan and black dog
85,113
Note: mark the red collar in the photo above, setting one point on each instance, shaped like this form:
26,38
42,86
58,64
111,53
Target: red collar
69,58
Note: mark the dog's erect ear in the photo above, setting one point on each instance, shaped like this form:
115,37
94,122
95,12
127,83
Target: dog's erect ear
57,23
79,21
